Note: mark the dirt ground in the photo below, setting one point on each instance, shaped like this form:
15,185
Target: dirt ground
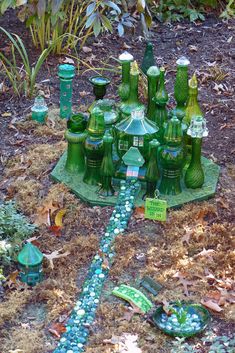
29,152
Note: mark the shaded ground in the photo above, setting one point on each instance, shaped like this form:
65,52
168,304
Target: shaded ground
28,154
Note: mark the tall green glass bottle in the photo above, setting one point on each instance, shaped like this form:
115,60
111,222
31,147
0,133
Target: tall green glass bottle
124,88
152,173
94,147
172,158
107,167
161,99
66,74
194,176
148,59
153,75
181,89
132,103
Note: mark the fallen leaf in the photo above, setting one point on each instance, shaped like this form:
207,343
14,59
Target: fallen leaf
16,351
206,253
185,283
44,212
25,326
6,114
55,255
56,230
210,304
126,46
84,93
139,212
127,343
193,48
68,60
86,49
12,279
57,329
59,217
131,311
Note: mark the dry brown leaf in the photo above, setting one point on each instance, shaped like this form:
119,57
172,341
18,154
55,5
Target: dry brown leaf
44,212
55,255
206,253
210,304
57,329
86,49
185,283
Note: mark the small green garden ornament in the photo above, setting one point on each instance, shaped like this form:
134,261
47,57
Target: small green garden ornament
66,74
30,264
124,88
39,110
194,176
181,89
148,59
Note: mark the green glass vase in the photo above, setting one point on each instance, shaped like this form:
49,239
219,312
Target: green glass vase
76,135
148,59
124,88
107,168
153,75
161,99
152,172
181,89
171,157
132,103
194,176
94,147
66,74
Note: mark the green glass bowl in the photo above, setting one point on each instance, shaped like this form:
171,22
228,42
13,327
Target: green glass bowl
193,309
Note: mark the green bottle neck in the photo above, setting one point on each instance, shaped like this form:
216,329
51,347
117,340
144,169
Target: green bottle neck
126,72
134,81
107,149
152,89
196,150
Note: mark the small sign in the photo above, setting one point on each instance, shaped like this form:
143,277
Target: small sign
155,209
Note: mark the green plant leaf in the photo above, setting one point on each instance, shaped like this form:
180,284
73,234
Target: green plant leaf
106,23
41,7
90,9
56,5
141,4
6,4
148,17
97,26
90,20
113,6
120,29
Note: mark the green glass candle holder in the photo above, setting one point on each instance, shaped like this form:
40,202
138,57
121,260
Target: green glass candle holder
100,84
66,74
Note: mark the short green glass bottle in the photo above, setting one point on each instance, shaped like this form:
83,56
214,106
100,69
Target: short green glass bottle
148,59
181,89
153,75
171,157
94,147
124,88
132,103
107,168
39,110
161,99
66,74
152,172
194,176
76,135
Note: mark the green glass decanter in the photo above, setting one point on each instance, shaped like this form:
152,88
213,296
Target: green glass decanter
153,75
194,176
181,89
161,99
76,135
171,157
132,103
94,147
152,173
124,88
148,59
66,74
107,168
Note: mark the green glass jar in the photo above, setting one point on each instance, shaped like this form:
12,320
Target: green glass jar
171,157
124,88
94,147
107,168
181,89
153,75
152,172
148,59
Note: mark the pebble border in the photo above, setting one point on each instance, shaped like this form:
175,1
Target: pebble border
83,315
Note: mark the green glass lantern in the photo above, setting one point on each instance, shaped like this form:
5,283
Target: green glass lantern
194,176
148,59
171,157
153,75
66,74
181,89
76,135
124,88
152,172
94,147
107,168
39,110
30,264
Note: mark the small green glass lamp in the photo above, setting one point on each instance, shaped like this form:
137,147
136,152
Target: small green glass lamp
30,264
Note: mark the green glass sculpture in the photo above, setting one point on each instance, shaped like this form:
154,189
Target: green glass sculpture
161,99
132,103
136,131
111,116
181,89
39,110
153,75
66,74
94,147
148,59
30,264
179,114
194,176
171,157
76,135
124,88
107,168
152,172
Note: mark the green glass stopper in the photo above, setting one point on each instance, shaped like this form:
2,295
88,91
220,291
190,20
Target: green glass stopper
153,75
194,176
30,263
107,168
124,88
66,74
39,110
181,89
152,173
148,59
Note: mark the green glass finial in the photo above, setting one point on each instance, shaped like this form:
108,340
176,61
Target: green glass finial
66,74
30,263
124,88
153,75
152,172
107,167
148,59
181,89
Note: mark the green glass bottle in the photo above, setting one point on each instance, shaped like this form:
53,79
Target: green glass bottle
194,176
76,135
153,75
171,157
124,88
99,84
181,89
148,59
94,147
107,168
111,115
39,110
152,173
161,99
66,74
132,103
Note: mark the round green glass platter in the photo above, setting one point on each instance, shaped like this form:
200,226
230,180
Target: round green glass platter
196,321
